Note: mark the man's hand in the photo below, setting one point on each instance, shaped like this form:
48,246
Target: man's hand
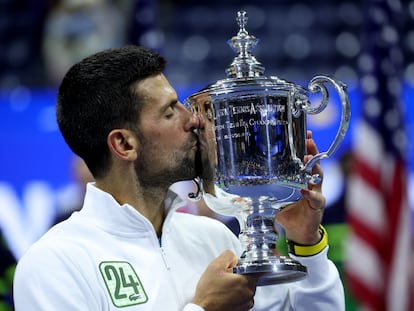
301,219
220,289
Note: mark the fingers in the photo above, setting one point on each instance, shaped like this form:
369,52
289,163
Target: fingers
220,289
315,199
312,150
227,260
310,144
316,170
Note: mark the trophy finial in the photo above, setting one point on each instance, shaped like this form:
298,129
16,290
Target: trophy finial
244,64
242,21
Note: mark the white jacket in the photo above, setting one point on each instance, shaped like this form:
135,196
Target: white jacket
108,257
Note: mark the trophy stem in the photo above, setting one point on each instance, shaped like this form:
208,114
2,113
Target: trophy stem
259,240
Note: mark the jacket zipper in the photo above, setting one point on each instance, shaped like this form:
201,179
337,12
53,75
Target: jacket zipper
164,258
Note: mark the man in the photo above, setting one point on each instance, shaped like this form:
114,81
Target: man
127,247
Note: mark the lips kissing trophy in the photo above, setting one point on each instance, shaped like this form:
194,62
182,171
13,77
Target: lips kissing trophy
257,144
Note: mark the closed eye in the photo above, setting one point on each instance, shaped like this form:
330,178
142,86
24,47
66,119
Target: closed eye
170,111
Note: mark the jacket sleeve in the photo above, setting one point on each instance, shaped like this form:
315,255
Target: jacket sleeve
321,290
42,282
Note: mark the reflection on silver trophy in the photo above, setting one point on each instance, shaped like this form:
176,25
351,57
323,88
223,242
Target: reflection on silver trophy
257,138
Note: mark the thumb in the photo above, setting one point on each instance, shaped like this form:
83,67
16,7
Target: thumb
225,261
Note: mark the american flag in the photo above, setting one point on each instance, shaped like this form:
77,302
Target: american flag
379,250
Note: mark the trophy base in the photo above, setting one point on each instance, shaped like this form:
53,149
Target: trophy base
273,270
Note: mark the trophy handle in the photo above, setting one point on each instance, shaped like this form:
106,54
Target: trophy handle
317,84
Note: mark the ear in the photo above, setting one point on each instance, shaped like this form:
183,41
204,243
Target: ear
123,144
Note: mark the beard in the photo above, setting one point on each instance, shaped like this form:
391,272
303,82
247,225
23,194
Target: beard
155,169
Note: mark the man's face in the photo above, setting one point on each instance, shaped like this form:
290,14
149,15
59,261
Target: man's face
167,143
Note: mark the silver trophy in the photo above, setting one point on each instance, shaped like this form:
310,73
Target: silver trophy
257,144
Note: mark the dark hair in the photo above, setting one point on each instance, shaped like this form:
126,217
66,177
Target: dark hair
96,96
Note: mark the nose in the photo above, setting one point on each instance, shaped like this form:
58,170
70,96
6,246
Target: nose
195,121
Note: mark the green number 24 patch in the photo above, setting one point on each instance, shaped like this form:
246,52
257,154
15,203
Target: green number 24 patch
122,283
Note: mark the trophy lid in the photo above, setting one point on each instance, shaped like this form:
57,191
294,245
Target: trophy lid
244,64
245,73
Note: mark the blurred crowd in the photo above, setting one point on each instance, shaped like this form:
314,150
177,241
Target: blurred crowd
41,39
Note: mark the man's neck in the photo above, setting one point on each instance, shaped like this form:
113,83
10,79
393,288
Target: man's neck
149,202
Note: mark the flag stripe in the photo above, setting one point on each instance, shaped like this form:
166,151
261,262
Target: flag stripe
365,293
379,266
368,268
368,145
366,203
359,228
369,175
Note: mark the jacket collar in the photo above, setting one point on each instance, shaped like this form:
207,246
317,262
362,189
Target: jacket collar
103,210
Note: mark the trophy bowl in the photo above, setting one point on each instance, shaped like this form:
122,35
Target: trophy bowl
255,129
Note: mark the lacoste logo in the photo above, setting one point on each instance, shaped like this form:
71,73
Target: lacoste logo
134,297
123,284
